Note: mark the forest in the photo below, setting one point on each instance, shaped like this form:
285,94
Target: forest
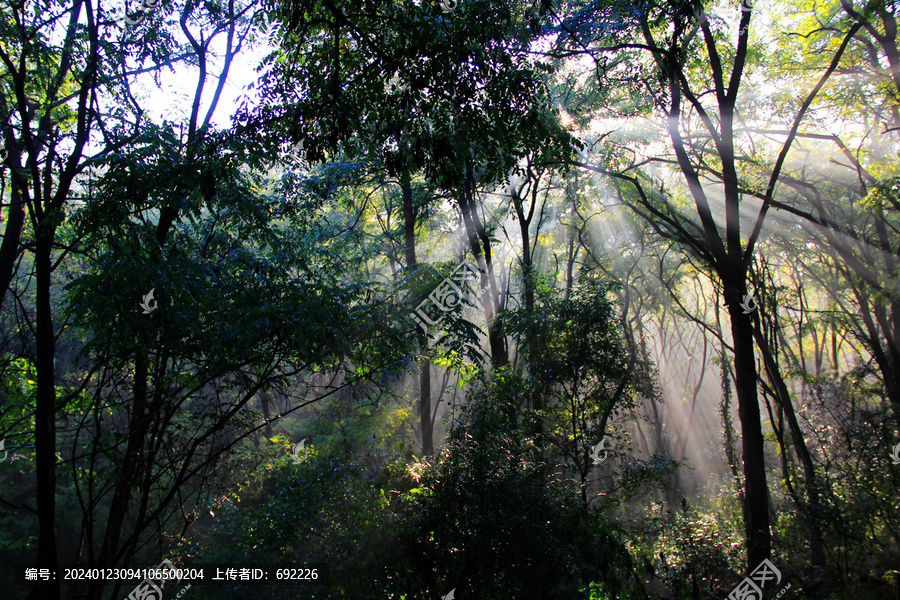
449,299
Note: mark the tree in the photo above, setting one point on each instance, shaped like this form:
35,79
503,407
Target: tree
492,521
850,211
47,106
449,98
582,366
694,79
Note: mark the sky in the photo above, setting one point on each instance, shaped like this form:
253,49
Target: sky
173,100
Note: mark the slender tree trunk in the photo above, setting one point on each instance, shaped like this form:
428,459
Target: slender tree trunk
481,248
756,493
130,470
9,249
126,473
887,357
409,238
45,422
571,254
725,412
813,509
527,266
264,399
536,394
425,408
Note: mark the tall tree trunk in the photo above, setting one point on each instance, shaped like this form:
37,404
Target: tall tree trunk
537,393
884,323
130,471
45,410
264,399
527,266
812,510
9,249
126,473
571,254
425,407
756,493
725,412
409,238
479,242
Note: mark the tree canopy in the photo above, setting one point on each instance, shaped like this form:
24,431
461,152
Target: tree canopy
454,298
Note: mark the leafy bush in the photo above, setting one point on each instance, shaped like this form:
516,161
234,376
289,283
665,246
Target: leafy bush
491,518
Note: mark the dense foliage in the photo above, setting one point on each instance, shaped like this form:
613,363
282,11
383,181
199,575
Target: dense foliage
460,298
